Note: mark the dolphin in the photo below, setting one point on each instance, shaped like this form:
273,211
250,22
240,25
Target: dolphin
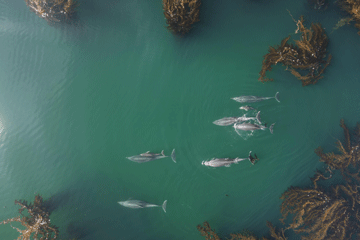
244,118
226,121
252,99
246,108
252,127
141,204
148,156
220,162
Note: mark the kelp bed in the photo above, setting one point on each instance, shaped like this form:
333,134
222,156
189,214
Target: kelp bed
305,59
320,212
53,10
181,14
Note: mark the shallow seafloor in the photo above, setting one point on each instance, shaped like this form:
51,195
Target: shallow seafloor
76,100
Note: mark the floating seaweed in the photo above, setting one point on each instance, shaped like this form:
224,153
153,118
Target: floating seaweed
349,157
210,234
53,10
37,224
323,215
353,8
306,57
181,14
331,213
342,22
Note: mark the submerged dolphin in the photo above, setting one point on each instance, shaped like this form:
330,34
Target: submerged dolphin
252,99
246,108
220,162
226,121
141,204
252,127
148,156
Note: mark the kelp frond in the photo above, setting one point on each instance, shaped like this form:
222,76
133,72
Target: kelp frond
349,154
352,7
53,10
318,214
36,221
207,232
305,59
181,14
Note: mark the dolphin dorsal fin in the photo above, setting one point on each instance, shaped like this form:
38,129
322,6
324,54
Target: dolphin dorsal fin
147,151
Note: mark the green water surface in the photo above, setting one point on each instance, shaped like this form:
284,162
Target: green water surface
76,100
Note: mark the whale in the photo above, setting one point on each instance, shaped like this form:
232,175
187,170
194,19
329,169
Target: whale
141,204
226,121
226,162
148,156
252,127
252,99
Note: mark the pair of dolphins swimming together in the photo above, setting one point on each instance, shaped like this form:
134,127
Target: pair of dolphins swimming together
141,158
241,124
148,156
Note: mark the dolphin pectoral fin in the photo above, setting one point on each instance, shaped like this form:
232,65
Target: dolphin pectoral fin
164,206
173,156
228,165
162,153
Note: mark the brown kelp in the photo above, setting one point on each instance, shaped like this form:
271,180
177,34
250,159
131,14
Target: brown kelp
348,156
305,59
332,212
181,14
53,10
210,234
36,222
317,213
353,8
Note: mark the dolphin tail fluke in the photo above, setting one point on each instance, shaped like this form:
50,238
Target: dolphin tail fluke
164,206
258,117
272,128
173,156
277,97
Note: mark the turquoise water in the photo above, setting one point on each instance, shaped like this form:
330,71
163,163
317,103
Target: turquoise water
76,100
